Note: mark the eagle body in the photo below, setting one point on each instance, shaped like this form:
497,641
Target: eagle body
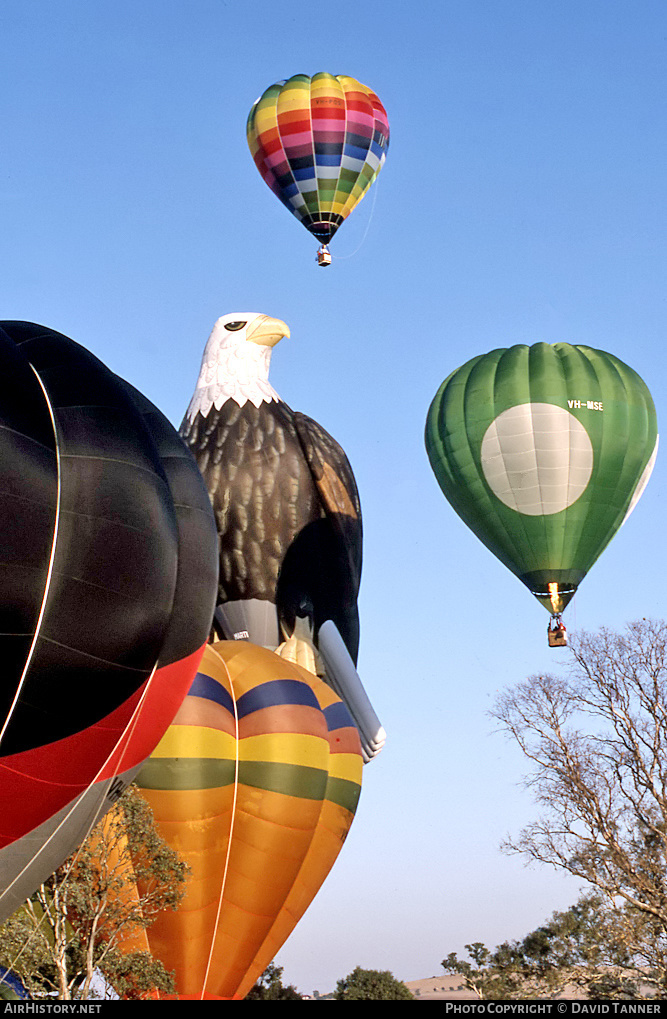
283,492
288,518
287,513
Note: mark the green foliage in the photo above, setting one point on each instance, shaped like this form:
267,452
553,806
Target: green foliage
134,975
586,948
270,987
371,985
24,950
107,893
486,974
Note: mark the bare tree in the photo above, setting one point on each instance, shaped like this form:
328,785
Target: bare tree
597,742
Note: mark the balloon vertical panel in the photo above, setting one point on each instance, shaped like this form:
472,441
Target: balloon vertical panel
29,501
257,794
336,815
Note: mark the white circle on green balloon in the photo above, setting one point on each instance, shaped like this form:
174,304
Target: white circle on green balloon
537,458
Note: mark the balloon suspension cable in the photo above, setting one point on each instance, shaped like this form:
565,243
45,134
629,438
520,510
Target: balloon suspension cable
232,833
340,258
556,631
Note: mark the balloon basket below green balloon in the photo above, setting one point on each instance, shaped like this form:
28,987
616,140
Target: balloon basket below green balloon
556,632
324,256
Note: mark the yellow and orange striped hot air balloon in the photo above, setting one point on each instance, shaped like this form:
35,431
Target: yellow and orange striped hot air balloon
255,784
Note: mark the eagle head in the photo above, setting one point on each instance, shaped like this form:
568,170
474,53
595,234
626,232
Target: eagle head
235,365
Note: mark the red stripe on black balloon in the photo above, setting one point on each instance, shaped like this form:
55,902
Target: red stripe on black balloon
39,782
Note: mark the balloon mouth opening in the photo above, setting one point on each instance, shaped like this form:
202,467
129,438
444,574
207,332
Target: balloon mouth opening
554,589
324,225
556,596
323,231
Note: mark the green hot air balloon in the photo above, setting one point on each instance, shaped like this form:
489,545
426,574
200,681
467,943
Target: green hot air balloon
544,451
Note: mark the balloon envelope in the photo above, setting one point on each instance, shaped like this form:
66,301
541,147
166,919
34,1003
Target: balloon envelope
255,785
319,143
107,588
543,451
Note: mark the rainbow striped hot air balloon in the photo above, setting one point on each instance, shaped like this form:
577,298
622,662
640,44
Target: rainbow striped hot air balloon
319,143
255,785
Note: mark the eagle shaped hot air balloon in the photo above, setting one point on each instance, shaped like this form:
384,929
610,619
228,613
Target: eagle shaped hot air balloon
287,511
319,143
108,574
544,451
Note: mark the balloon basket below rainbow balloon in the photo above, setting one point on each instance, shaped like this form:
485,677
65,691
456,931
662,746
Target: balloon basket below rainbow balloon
319,144
324,256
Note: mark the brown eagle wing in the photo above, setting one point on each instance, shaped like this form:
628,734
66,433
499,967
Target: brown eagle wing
337,488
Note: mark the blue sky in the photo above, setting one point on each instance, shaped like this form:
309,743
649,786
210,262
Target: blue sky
522,200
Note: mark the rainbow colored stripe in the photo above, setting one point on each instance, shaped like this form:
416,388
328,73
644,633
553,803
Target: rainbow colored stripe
319,143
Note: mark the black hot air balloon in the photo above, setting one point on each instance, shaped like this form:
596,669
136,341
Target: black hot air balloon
108,575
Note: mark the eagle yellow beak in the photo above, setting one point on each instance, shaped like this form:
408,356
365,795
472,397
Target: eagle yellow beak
267,331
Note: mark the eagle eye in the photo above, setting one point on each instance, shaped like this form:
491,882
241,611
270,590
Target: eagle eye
234,326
